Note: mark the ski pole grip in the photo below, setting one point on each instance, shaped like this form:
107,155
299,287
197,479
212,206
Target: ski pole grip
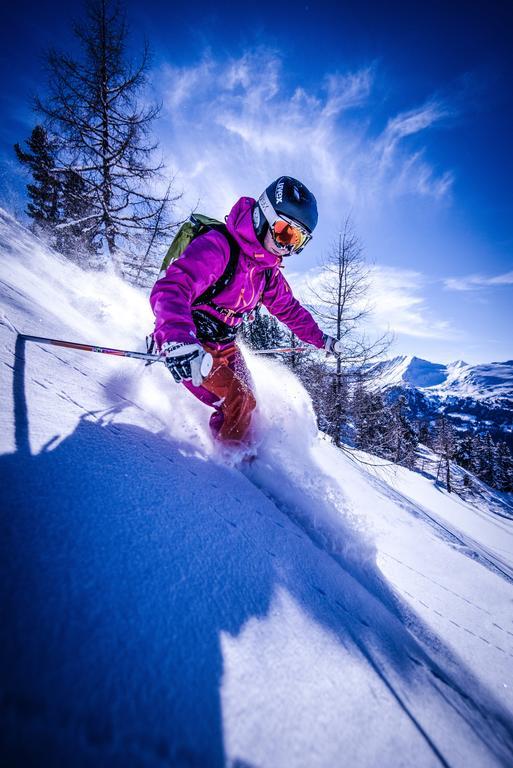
206,364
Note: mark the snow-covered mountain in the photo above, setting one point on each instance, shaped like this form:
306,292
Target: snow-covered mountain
476,397
492,382
163,607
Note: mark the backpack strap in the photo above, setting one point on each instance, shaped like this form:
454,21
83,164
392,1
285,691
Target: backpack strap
240,315
221,282
268,276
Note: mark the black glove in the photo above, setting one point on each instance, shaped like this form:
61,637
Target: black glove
332,346
187,361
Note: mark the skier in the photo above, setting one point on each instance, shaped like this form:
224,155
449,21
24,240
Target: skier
279,224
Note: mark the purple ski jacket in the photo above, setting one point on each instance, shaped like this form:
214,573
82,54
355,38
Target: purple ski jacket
204,261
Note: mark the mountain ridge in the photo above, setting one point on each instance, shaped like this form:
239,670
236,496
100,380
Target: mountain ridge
485,381
474,398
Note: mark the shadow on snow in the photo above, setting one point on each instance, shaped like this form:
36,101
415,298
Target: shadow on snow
118,583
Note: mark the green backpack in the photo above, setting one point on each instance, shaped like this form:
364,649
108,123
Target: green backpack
198,224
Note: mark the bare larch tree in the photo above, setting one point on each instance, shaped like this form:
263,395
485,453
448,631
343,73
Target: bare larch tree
94,109
341,302
445,446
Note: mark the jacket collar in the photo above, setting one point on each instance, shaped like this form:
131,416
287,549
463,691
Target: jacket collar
239,223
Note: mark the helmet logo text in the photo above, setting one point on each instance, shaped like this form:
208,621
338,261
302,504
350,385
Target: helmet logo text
279,191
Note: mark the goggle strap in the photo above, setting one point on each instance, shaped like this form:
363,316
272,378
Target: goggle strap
271,215
267,209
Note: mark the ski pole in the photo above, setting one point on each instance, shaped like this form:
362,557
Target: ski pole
127,353
278,349
92,348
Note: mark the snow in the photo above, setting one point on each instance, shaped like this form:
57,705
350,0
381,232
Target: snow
161,606
462,416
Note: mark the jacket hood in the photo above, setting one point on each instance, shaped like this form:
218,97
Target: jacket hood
239,223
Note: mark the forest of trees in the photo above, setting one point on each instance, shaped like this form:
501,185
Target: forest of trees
356,414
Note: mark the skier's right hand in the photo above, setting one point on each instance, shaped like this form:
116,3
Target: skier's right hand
333,346
187,361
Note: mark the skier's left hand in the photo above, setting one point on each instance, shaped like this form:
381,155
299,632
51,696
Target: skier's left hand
333,346
187,361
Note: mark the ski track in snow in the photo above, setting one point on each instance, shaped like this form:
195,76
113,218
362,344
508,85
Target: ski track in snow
316,537
465,544
160,607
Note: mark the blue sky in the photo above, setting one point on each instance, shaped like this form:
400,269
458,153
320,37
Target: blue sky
401,117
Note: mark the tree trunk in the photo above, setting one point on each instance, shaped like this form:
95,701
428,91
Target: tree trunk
448,473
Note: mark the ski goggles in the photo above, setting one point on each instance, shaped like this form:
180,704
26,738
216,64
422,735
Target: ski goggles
288,234
285,232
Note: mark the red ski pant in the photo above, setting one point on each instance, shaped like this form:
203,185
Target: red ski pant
228,389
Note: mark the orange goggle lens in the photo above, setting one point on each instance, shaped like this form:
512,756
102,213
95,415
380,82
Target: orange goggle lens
287,234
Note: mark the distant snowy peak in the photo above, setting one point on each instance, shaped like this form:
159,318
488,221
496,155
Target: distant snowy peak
411,371
489,380
458,379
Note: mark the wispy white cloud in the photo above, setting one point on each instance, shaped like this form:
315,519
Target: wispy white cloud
347,90
397,298
177,85
477,282
242,122
400,303
414,121
409,171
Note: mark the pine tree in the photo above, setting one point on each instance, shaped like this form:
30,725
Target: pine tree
504,470
263,331
480,456
488,460
371,422
464,454
44,191
404,438
475,455
424,433
317,381
296,359
332,392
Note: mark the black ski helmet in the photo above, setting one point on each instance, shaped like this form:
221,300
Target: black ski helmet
288,197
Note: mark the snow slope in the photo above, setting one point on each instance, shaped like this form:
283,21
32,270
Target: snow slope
160,607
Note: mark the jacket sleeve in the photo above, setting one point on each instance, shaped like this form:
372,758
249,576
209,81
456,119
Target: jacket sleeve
280,301
200,265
